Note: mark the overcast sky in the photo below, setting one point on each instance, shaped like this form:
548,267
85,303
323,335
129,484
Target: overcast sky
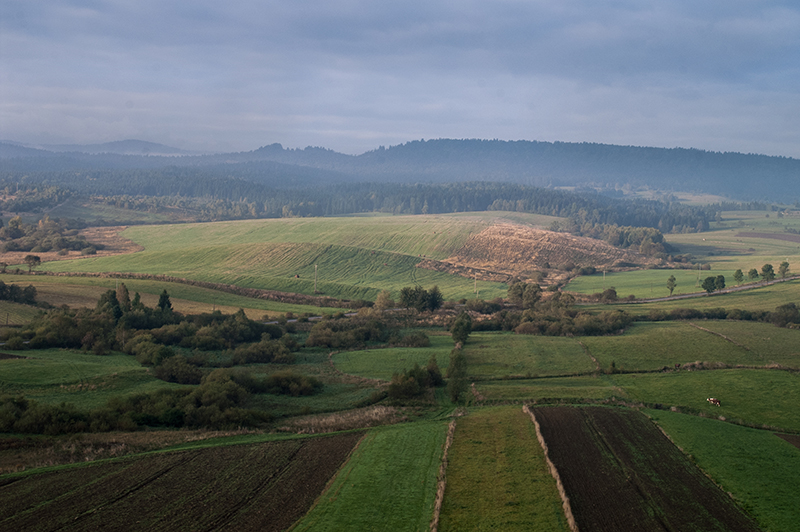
353,75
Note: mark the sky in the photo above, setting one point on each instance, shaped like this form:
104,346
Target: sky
353,75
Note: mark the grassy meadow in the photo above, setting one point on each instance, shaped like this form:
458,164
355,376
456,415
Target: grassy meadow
85,380
383,363
83,292
352,257
734,243
388,484
759,469
497,477
499,355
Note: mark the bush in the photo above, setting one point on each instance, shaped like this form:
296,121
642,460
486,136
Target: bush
291,383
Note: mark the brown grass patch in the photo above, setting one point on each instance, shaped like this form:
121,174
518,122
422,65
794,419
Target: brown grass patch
109,237
370,416
18,453
508,250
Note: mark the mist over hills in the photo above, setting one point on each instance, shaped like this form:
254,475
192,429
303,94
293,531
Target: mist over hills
542,164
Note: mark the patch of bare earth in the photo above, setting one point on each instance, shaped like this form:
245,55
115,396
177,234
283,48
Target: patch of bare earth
505,251
794,439
109,237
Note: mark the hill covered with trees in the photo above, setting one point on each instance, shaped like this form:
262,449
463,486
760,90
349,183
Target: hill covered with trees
542,164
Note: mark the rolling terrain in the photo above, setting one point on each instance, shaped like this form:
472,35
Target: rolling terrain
652,375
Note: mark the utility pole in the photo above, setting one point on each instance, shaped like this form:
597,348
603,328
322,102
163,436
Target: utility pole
315,278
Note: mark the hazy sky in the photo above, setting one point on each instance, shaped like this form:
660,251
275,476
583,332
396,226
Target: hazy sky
353,75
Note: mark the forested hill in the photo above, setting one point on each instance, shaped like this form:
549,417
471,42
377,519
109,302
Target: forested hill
741,176
544,164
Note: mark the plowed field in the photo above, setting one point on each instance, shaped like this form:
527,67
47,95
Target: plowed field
622,474
262,487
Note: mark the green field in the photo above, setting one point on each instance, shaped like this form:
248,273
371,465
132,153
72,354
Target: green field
725,248
383,363
64,376
353,257
16,313
388,484
756,397
758,468
497,477
773,345
491,355
567,389
651,346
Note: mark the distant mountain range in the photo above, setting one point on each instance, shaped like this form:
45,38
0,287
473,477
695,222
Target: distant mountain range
544,164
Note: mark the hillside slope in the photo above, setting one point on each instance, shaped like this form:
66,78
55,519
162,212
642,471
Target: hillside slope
504,251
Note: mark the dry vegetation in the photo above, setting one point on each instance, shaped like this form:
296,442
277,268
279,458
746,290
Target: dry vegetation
18,453
109,237
371,416
504,251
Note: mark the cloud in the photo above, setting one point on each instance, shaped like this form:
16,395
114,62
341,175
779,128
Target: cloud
350,75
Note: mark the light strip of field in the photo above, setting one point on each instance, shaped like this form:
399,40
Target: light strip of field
389,482
83,292
497,477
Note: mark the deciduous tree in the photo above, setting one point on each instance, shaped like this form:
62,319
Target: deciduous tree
671,284
32,261
768,272
709,284
783,269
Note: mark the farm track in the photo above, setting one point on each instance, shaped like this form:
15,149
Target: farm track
733,289
243,487
621,473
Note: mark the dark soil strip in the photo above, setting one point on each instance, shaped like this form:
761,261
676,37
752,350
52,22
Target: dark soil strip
774,236
622,474
7,356
263,487
791,438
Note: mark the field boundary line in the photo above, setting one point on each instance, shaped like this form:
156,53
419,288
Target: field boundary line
553,471
586,350
331,481
734,342
437,507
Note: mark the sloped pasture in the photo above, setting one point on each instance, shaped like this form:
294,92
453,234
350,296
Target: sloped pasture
621,473
264,486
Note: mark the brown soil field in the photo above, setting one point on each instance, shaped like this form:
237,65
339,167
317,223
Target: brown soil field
621,474
264,487
794,439
503,251
108,236
774,236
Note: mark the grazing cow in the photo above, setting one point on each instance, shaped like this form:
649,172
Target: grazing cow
713,401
